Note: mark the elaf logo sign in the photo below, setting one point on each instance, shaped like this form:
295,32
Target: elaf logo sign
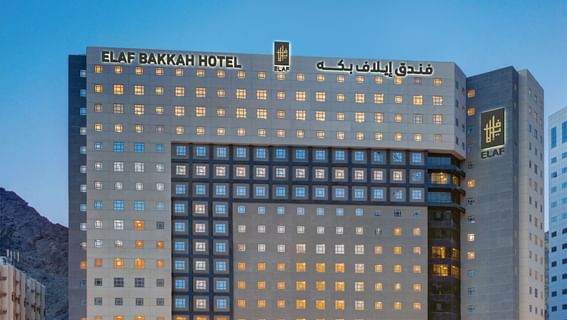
492,125
282,56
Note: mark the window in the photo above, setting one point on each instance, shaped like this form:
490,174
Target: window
359,117
118,89
359,97
438,119
300,96
320,115
437,100
240,113
320,96
139,90
261,113
418,100
398,99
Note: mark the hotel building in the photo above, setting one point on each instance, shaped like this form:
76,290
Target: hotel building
557,234
245,186
21,297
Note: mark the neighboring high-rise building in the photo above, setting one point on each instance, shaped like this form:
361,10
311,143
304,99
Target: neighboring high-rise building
21,297
557,304
242,186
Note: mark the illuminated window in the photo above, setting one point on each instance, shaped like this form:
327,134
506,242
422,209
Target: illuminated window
139,244
359,79
240,113
98,68
416,268
179,72
470,237
241,266
280,304
241,303
398,81
378,98
320,304
437,100
159,109
417,287
416,306
471,183
98,262
241,74
179,111
261,94
200,131
438,119
300,115
320,115
378,80
359,97
221,112
139,225
221,93
200,92
359,135
300,133
138,90
378,305
98,126
359,117
320,134
159,91
397,250
300,96
320,285
179,130
320,96
398,99
339,267
98,88
379,136
300,304
200,73
340,78
397,305
377,249
261,266
378,268
340,135
261,113
471,255
418,100
398,136
160,244
179,91
261,304
280,114
118,89
471,93
340,116
280,95
339,304
300,267
320,267
300,285
139,71
241,132
300,77
398,231
118,128
159,71
320,77
437,82
280,133
471,111
221,74
261,75
398,117
340,97
118,263
441,270
418,137
281,285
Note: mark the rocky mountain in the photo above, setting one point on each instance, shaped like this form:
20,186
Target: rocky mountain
42,246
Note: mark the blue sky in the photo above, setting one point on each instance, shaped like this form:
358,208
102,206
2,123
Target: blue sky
37,36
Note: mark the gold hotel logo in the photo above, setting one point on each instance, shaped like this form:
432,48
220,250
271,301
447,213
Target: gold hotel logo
492,137
282,56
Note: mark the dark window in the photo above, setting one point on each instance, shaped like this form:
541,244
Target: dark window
98,282
139,282
118,282
564,132
118,301
554,137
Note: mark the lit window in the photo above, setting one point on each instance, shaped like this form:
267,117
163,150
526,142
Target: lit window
118,263
359,117
438,119
300,133
261,94
471,93
320,134
221,93
437,100
98,68
379,136
471,183
320,96
340,97
437,82
471,255
340,78
398,117
200,92
398,136
221,112
200,73
378,80
118,89
398,99
118,128
418,100
359,135
359,97
179,111
300,96
300,77
397,305
340,135
359,79
471,111
240,93
418,137
398,81
220,74
470,237
280,133
300,115
179,91
240,113
179,72
320,115
320,77
280,114
139,90
159,71
280,95
261,75
378,98
241,74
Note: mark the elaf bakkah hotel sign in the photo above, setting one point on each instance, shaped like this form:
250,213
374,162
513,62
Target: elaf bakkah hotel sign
493,129
170,59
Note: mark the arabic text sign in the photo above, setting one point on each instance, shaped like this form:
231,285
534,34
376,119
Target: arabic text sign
387,69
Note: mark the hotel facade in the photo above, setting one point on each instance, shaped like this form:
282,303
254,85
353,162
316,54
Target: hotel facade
245,186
